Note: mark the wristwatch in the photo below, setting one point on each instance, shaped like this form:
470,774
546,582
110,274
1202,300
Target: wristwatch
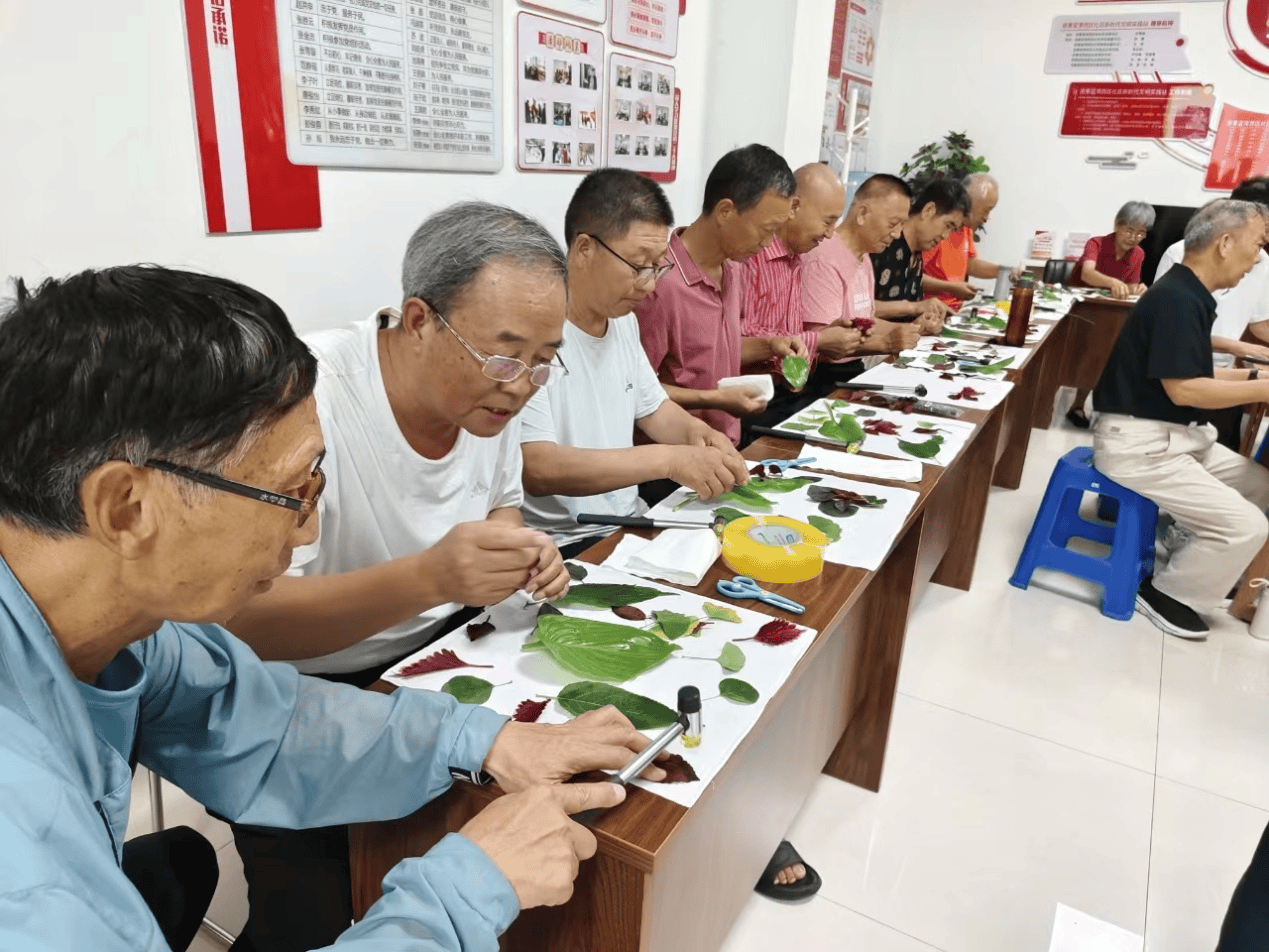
1254,374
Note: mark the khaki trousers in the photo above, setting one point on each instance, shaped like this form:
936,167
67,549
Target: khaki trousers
1211,490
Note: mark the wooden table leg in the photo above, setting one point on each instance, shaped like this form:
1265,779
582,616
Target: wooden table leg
1015,431
964,502
1054,360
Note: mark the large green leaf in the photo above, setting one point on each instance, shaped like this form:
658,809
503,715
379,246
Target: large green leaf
799,427
732,658
644,713
955,335
728,513
927,450
467,689
796,370
597,595
781,484
842,427
675,625
721,612
598,650
734,689
826,526
996,368
740,495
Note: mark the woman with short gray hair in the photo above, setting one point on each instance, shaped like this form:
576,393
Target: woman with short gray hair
1112,262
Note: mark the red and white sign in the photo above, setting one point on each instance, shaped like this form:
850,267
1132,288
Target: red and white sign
651,25
1138,110
1247,26
248,182
1241,149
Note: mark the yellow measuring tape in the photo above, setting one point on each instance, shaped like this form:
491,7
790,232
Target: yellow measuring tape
774,548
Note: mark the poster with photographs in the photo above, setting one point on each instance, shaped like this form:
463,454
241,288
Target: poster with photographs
558,95
640,113
596,11
651,25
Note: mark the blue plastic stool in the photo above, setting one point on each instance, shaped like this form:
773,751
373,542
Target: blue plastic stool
1131,538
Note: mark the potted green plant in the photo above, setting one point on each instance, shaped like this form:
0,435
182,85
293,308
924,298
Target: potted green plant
951,158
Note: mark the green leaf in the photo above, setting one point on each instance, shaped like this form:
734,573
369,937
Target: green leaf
865,412
599,650
826,526
734,689
675,625
721,612
999,323
576,571
744,496
592,595
936,360
728,513
782,484
829,510
955,335
843,429
927,450
732,658
796,370
799,427
644,713
468,690
996,368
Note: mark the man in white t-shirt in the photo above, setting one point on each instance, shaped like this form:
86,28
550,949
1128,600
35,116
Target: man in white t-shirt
578,437
421,510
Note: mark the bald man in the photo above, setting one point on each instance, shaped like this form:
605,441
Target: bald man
954,260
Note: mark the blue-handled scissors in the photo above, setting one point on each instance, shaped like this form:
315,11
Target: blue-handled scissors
784,464
742,586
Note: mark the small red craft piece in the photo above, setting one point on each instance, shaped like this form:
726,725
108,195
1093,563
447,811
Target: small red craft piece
527,712
477,631
443,660
775,632
677,769
968,393
862,324
940,346
883,427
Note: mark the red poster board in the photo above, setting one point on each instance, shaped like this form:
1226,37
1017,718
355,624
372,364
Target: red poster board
1241,149
1138,110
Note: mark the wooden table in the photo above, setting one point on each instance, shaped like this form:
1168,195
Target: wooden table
667,878
1088,335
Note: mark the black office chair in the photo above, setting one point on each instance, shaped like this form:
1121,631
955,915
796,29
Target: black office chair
1058,271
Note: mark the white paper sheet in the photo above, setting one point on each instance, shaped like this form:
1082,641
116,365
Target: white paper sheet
867,536
940,391
955,433
936,362
856,464
972,348
533,673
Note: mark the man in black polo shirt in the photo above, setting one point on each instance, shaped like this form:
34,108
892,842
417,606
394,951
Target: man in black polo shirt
1153,436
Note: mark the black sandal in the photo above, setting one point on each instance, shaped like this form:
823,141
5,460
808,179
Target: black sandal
804,888
1078,418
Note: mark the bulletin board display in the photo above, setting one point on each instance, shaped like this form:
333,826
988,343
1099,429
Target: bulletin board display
1241,150
640,114
559,100
386,84
1138,110
651,25
859,39
596,11
1117,42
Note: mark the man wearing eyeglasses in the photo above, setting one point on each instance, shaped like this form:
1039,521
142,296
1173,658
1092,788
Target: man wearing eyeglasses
577,437
421,514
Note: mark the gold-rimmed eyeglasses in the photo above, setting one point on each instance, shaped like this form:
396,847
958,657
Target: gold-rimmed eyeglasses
304,503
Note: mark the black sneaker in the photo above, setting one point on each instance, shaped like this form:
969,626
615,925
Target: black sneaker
1169,615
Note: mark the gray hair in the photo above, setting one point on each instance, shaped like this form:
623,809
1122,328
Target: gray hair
1136,215
1217,218
980,182
448,251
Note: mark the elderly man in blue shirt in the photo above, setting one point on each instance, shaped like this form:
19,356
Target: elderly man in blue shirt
160,458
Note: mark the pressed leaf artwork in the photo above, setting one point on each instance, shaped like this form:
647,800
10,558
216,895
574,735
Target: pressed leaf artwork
443,660
796,370
598,650
838,509
741,692
732,658
937,360
644,713
753,494
939,345
842,502
478,630
677,770
903,361
629,612
827,526
468,690
865,412
592,595
721,612
527,712
966,393
844,427
882,427
775,632
675,625
575,571
954,335
799,427
996,368
548,609
927,450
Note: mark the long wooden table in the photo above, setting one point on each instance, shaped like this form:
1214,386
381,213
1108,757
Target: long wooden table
667,878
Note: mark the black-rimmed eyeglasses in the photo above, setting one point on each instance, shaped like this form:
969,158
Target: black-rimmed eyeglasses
507,369
304,503
651,272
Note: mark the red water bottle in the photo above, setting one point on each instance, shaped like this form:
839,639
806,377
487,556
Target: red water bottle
1020,311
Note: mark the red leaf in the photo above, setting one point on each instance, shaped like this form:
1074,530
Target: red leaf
968,393
629,612
527,712
476,632
940,346
442,660
881,427
775,632
677,769
862,323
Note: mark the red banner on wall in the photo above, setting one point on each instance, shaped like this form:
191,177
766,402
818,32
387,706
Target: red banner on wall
1241,150
1138,110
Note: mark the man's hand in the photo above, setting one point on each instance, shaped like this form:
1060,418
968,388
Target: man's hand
702,434
962,289
702,469
788,347
484,561
739,401
1137,289
531,839
900,338
933,313
526,755
1118,290
550,579
1243,351
837,341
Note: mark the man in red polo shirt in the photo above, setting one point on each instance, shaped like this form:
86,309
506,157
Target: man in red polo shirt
690,325
954,260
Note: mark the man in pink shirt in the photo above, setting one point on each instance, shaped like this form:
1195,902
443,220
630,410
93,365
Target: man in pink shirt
690,325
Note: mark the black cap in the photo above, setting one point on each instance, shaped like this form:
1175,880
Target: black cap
689,700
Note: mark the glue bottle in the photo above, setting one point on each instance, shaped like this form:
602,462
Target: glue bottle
1020,311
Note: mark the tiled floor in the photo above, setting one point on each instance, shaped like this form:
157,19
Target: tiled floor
1040,754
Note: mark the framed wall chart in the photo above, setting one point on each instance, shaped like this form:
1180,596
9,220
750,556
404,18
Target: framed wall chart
559,100
640,121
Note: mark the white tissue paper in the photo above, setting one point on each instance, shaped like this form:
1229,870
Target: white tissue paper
680,556
759,382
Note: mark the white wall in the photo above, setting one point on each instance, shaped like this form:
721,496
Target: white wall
99,166
979,68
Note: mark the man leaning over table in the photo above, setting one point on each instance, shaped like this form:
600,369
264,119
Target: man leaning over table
577,436
421,516
938,209
950,264
160,457
690,323
1154,399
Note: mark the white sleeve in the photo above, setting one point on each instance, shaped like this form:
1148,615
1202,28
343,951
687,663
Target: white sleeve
649,393
1169,258
537,419
509,491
